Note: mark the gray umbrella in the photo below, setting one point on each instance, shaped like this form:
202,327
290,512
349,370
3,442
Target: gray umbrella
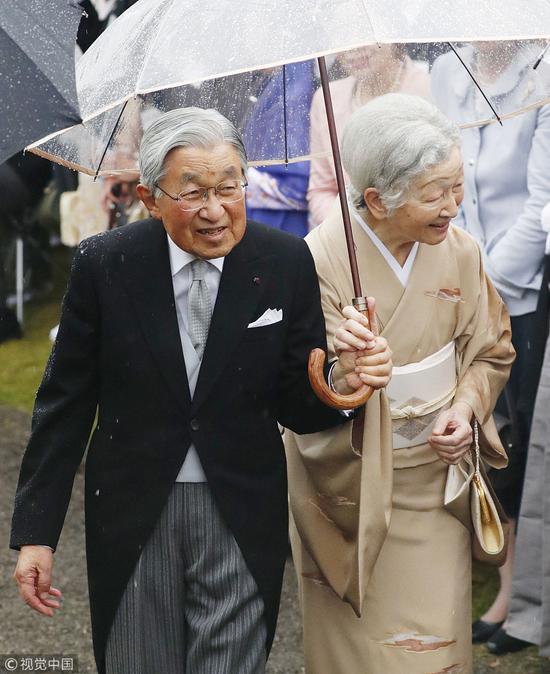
37,73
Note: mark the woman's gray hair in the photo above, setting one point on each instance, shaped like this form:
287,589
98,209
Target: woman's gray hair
392,140
184,127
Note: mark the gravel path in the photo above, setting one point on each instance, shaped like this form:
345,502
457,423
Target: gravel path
23,631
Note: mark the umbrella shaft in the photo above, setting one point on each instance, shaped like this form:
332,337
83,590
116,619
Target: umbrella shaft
339,177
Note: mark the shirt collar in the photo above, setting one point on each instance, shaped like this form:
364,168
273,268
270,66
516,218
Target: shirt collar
180,258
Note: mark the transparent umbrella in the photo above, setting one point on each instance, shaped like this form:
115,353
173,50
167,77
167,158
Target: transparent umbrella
163,53
238,58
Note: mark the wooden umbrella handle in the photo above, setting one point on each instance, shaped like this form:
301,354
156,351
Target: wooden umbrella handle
315,370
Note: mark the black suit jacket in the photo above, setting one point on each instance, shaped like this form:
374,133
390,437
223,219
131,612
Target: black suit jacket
118,352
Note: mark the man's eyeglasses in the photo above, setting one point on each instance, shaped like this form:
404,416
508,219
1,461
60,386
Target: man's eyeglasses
226,192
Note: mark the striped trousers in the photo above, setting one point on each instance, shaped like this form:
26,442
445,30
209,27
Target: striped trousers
191,605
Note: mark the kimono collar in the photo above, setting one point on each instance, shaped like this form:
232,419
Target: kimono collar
402,272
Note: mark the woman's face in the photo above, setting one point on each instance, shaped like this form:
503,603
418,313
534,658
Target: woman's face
373,59
495,56
433,202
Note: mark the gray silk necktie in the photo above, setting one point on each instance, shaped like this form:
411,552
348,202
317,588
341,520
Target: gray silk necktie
199,307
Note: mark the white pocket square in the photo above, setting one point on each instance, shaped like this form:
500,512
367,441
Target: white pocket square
269,317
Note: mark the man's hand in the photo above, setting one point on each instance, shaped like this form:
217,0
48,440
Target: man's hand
33,575
452,433
362,357
116,191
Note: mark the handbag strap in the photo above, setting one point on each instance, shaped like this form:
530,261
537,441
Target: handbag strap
476,447
478,481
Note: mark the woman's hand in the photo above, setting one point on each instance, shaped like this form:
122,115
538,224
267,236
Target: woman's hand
362,357
452,433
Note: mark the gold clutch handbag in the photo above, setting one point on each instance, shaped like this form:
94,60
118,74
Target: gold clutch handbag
470,497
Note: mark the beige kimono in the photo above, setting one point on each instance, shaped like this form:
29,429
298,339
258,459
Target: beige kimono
384,570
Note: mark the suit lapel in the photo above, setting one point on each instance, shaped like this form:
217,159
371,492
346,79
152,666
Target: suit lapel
238,296
146,275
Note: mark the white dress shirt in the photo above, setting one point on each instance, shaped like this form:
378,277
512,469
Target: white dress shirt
191,470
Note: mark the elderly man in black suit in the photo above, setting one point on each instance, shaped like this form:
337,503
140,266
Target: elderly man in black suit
188,334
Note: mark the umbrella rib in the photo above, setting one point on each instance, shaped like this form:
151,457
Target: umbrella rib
150,48
541,56
364,4
284,116
470,73
110,139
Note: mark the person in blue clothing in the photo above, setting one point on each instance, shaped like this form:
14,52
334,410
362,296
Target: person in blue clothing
278,127
507,184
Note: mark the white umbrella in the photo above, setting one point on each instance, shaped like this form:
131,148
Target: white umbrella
211,52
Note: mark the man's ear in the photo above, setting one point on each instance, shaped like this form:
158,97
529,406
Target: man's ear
149,200
374,203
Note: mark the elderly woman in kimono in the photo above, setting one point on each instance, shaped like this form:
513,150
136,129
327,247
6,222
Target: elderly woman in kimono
384,569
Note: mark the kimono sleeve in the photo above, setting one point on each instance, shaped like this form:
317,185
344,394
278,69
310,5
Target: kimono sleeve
486,357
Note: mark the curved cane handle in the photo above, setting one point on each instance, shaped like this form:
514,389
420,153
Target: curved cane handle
315,370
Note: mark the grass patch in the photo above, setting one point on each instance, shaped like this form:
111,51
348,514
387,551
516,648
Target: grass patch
485,586
23,360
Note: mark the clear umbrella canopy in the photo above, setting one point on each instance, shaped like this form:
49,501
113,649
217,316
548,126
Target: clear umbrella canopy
254,62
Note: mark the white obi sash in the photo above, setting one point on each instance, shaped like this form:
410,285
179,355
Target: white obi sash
418,392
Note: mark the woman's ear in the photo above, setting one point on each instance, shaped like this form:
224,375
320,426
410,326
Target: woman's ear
374,203
149,201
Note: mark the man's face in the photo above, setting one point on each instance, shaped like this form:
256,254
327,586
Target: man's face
214,229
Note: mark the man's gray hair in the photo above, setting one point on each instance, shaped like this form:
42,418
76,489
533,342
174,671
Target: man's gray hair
184,127
392,140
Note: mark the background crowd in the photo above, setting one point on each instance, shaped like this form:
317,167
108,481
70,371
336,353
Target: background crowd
506,209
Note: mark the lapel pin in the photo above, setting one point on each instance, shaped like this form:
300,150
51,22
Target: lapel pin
256,280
